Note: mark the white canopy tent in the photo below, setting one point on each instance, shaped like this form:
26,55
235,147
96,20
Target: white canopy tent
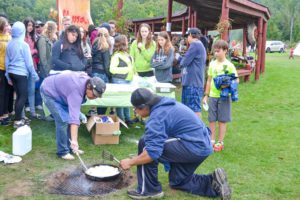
297,50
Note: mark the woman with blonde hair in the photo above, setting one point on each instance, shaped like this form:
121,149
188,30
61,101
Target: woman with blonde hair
142,51
122,70
44,45
101,58
162,60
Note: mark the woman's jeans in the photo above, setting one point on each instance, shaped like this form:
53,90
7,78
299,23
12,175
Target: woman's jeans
61,115
123,113
31,94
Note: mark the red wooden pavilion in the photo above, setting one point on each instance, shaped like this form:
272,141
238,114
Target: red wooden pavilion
206,14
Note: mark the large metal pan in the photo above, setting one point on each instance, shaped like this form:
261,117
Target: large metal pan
107,178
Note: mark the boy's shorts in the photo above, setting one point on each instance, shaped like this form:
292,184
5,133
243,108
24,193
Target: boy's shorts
219,110
192,97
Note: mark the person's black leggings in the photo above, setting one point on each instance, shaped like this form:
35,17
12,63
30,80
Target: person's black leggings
20,84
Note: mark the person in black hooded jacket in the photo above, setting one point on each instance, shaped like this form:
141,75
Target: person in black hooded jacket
67,52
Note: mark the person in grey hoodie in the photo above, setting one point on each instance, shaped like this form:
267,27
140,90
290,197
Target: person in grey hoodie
67,53
19,65
162,60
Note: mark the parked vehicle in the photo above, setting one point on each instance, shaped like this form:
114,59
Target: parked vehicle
275,46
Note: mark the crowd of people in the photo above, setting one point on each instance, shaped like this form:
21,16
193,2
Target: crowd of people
61,69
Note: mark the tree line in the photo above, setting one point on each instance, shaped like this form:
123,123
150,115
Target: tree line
283,25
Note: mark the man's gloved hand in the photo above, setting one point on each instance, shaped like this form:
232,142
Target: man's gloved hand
74,146
83,118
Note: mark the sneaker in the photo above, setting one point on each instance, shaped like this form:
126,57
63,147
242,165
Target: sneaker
26,120
220,184
218,146
4,122
129,122
68,157
92,113
27,109
35,116
18,124
135,195
135,120
39,107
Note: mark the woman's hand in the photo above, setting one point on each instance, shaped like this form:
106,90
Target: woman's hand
140,45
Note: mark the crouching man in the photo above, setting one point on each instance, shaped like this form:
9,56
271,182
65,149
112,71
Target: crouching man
176,137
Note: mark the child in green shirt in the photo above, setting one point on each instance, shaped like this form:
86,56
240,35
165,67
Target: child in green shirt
219,110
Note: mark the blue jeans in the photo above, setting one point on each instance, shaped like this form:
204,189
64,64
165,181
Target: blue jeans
123,113
38,98
104,77
31,94
183,164
60,114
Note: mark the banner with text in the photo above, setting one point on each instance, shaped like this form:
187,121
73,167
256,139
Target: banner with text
78,10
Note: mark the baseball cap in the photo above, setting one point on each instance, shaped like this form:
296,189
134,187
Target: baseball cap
39,23
193,31
98,86
143,97
105,25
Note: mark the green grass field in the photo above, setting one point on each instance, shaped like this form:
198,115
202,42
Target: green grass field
261,154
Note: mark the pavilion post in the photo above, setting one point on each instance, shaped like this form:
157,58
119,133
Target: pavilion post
195,19
169,17
263,52
259,48
190,18
183,26
225,16
135,29
244,40
153,26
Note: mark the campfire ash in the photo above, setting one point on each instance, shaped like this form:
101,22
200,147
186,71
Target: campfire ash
74,182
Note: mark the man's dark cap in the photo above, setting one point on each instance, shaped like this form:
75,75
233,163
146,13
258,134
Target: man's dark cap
39,23
105,25
98,86
194,32
143,97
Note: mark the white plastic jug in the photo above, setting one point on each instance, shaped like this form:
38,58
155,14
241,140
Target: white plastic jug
22,141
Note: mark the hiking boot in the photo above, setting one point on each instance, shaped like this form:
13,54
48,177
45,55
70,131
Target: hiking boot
68,157
18,124
218,146
220,184
135,195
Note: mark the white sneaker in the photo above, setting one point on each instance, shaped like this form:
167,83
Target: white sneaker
39,107
68,157
27,109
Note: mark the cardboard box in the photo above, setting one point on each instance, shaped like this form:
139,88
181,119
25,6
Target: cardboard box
104,139
104,133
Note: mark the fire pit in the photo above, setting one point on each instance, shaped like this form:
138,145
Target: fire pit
74,182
